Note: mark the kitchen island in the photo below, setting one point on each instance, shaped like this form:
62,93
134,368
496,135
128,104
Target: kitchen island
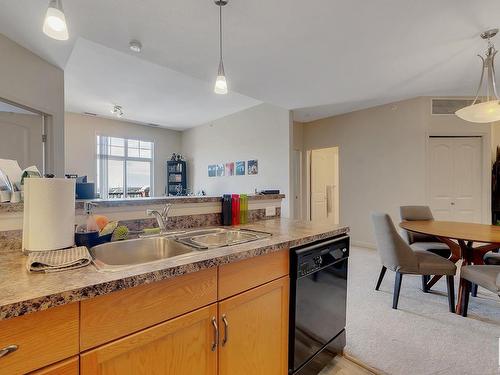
101,321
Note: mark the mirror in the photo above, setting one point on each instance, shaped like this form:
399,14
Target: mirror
21,131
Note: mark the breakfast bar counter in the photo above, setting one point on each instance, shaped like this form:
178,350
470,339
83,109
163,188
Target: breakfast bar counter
22,292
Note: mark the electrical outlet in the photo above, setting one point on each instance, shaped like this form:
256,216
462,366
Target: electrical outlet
270,211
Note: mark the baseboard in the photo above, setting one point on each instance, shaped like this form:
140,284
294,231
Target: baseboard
367,245
367,367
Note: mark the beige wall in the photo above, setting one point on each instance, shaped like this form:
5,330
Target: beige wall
382,154
261,132
80,144
28,80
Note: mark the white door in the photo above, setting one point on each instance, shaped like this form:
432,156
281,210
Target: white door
454,174
297,184
324,184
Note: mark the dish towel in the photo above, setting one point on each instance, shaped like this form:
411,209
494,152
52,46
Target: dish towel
58,260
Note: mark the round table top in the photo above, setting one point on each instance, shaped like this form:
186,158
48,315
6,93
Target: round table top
455,230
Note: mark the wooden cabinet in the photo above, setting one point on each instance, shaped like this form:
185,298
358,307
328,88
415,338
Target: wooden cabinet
184,345
68,367
144,306
226,320
239,276
254,331
41,338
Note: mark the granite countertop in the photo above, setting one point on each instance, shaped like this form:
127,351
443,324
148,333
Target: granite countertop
22,292
103,203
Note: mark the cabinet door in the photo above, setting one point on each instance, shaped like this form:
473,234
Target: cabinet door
184,345
254,331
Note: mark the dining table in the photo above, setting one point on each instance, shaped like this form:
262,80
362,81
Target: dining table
468,242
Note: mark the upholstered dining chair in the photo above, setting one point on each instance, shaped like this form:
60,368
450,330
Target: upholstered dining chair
487,276
419,241
399,257
491,258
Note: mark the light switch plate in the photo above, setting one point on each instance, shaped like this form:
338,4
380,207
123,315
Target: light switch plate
270,211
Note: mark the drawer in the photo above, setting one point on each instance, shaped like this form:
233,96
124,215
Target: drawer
42,338
67,367
237,277
106,318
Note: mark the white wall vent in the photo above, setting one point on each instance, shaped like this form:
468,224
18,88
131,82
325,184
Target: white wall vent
448,106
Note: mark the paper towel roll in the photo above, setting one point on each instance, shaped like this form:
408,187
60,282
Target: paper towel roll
49,214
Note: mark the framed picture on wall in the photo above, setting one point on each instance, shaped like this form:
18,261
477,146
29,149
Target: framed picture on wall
220,170
240,168
211,170
230,169
253,167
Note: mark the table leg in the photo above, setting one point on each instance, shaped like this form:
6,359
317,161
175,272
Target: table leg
466,254
455,256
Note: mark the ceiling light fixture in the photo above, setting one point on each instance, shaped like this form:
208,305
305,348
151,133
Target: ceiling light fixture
135,46
54,25
117,110
220,83
489,109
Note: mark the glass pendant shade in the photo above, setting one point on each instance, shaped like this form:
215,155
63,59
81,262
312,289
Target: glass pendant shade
488,110
220,83
54,25
481,113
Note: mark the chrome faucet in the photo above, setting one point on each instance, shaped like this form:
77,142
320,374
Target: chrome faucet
161,217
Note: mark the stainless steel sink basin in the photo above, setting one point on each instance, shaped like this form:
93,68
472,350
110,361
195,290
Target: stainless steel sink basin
121,254
219,237
117,255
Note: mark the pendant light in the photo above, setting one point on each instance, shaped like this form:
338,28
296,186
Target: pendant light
220,83
489,109
54,25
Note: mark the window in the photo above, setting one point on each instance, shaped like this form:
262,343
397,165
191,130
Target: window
124,167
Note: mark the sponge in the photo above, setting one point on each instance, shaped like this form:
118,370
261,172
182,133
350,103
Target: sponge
151,231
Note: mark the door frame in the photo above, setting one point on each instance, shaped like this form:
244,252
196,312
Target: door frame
485,170
308,197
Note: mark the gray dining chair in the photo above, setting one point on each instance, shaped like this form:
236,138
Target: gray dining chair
491,258
399,257
419,241
487,276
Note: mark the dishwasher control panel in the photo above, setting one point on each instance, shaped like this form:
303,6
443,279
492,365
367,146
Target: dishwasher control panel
312,258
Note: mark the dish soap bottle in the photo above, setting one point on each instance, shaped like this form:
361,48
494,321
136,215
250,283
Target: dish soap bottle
91,225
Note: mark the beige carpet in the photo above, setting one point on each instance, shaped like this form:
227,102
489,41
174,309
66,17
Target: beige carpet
421,337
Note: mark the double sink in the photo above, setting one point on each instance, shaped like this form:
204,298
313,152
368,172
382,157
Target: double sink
118,255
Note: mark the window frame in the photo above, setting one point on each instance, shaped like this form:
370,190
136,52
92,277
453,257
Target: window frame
124,159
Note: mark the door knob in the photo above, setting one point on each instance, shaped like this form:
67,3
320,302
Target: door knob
452,203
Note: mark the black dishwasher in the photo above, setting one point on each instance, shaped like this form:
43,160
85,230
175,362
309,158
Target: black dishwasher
318,291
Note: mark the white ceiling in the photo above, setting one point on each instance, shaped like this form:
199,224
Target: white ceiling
319,58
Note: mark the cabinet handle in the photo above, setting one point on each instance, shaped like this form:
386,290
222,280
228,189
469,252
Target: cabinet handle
226,329
7,350
216,334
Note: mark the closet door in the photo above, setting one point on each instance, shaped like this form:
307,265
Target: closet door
455,178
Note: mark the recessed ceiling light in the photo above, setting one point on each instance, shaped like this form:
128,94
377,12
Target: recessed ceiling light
135,46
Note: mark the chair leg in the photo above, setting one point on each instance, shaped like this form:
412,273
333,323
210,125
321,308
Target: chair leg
397,288
466,286
425,280
473,291
451,292
381,277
